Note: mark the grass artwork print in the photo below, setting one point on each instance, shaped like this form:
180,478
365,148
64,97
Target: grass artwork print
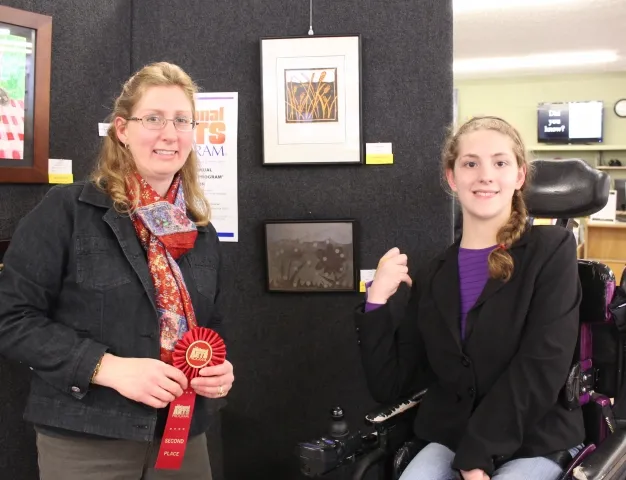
311,95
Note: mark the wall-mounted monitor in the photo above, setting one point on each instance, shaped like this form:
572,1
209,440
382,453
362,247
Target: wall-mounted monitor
570,122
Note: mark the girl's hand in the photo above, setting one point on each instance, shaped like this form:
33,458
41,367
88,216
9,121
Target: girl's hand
392,271
475,474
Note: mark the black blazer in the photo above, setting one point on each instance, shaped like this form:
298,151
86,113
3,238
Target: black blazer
493,397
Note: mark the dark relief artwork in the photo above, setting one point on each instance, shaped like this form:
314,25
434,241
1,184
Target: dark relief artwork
310,256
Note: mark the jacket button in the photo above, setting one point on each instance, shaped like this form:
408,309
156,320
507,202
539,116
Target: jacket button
465,361
75,389
471,391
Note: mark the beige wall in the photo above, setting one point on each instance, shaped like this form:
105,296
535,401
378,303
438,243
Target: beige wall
516,99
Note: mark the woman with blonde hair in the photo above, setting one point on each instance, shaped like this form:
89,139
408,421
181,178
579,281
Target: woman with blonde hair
102,279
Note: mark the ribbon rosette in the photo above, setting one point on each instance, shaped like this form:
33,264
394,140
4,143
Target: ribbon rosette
200,347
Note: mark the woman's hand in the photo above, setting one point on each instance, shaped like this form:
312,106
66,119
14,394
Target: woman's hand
214,382
144,380
392,270
475,474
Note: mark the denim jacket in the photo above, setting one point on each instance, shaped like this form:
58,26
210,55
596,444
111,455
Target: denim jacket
75,285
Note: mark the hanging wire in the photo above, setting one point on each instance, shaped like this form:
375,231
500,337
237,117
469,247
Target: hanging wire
310,17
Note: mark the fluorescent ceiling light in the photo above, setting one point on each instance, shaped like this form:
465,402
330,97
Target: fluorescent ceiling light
461,6
547,60
5,31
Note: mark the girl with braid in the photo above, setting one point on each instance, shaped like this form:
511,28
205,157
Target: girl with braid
490,328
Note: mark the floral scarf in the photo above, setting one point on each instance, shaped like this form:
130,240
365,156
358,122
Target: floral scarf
166,233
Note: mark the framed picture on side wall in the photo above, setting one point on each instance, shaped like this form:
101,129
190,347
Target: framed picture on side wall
4,246
311,100
304,256
25,52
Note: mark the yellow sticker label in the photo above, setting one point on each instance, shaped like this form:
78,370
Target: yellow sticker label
60,178
379,158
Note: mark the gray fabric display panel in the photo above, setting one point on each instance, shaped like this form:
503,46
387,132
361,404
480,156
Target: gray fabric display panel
295,355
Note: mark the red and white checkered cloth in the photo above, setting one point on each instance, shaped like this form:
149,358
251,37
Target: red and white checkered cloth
12,130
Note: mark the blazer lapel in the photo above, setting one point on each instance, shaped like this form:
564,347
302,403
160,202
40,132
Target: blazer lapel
490,289
446,293
494,285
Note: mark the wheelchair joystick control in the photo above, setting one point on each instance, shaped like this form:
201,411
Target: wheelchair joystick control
327,453
338,426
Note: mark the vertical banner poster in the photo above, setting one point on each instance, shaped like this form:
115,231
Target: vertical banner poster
216,147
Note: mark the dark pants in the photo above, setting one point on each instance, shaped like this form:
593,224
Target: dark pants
67,458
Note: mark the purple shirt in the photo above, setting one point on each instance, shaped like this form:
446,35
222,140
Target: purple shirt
473,275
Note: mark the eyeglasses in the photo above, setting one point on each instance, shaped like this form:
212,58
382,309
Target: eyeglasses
157,122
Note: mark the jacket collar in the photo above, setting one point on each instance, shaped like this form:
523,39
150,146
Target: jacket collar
94,196
446,285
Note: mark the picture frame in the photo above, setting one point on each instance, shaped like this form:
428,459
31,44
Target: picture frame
4,246
311,256
311,100
25,57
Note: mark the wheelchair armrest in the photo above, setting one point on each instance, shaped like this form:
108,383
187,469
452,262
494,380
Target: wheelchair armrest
385,413
607,462
404,455
370,460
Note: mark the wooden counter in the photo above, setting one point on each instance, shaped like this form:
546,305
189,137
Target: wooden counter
606,242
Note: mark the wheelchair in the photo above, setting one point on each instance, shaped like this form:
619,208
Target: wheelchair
561,189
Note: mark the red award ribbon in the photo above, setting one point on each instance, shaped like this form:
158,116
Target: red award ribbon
200,347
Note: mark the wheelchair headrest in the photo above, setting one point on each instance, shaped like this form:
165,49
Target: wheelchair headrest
566,188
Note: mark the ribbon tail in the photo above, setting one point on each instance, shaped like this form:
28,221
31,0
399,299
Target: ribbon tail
174,441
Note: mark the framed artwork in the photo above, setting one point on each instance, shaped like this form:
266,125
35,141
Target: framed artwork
25,52
305,256
4,246
311,100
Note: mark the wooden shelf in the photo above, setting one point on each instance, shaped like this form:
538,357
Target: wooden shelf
614,169
577,148
605,242
593,223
